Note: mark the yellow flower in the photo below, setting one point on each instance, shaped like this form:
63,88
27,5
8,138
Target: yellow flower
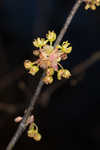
30,133
27,64
33,129
66,74
87,6
92,4
48,79
39,42
65,44
50,71
98,2
34,70
63,73
33,132
51,36
65,47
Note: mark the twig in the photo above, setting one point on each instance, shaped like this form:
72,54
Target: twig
22,125
68,21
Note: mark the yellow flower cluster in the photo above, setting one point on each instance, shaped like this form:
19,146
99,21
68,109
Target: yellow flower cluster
39,42
33,132
49,58
51,36
92,4
63,73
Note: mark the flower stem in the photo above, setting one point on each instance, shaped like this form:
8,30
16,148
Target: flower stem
60,66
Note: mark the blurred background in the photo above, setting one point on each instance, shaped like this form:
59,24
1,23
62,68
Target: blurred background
68,111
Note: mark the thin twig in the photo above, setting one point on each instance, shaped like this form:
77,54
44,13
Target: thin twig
22,125
68,21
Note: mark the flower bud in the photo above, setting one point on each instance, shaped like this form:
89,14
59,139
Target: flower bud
50,71
34,70
63,73
48,79
66,74
36,52
18,119
27,64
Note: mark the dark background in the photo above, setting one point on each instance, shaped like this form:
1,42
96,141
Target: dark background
72,117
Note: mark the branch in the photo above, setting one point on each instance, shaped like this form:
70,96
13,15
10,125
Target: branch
22,125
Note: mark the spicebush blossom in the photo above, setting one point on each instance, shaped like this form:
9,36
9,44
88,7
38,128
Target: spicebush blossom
33,128
91,4
49,58
33,132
